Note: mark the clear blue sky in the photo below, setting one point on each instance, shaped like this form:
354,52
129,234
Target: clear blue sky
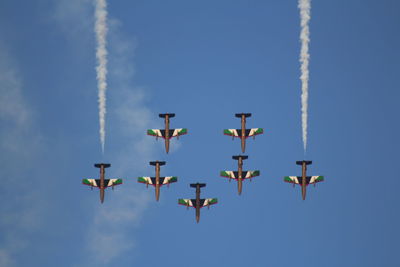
203,61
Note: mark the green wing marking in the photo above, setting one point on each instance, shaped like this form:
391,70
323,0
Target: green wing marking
117,181
170,179
228,132
214,201
86,182
151,132
182,131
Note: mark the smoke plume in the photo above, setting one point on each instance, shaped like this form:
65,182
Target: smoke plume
304,6
101,68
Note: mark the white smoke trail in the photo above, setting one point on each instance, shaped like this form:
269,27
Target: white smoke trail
304,6
101,68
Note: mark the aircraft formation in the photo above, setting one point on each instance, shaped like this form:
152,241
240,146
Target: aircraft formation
197,203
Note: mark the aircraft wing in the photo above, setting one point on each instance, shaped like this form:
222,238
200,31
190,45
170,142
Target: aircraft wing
145,180
90,182
172,132
228,174
232,132
111,182
107,182
163,180
248,133
177,132
299,179
203,202
168,180
186,202
155,132
254,132
208,202
251,174
235,174
315,179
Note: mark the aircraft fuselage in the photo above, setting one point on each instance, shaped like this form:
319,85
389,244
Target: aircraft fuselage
167,133
198,203
243,136
240,175
102,186
157,185
303,180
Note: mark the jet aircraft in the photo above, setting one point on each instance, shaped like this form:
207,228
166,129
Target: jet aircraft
303,180
167,133
243,133
102,183
157,181
198,202
239,175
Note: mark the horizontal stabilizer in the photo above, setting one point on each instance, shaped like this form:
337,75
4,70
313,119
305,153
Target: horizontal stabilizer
239,115
154,163
240,156
308,162
105,165
163,115
198,184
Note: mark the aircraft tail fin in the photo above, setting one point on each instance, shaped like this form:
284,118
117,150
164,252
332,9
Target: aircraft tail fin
105,165
154,163
195,185
307,162
240,156
163,115
239,115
